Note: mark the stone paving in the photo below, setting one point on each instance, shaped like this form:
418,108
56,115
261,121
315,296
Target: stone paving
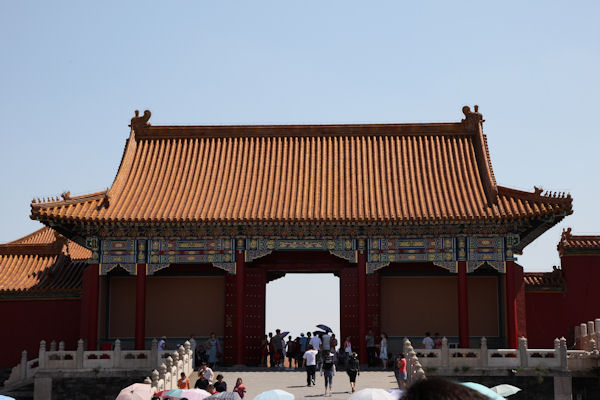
295,382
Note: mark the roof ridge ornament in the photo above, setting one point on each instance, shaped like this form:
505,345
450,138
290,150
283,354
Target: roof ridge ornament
566,234
138,123
473,119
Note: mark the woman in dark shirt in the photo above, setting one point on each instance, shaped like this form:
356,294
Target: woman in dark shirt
202,382
220,384
353,369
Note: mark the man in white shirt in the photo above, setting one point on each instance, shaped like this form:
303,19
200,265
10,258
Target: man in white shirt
310,362
428,341
316,343
208,372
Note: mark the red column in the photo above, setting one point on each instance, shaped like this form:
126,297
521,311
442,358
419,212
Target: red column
463,306
140,308
362,305
240,266
94,288
511,306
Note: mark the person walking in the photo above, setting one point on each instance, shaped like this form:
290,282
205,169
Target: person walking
264,351
220,384
212,349
334,343
278,347
207,371
290,351
371,353
352,370
240,388
383,353
347,350
202,382
310,362
328,371
400,371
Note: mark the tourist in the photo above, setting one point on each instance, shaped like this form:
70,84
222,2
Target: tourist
315,342
298,352
207,371
303,343
212,349
441,389
370,344
200,355
334,343
202,382
400,371
383,351
240,388
271,350
352,370
347,349
220,384
183,382
325,344
290,351
162,343
437,341
428,341
278,347
264,351
211,389
328,371
310,362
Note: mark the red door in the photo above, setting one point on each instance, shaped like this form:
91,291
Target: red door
229,340
254,313
349,306
373,302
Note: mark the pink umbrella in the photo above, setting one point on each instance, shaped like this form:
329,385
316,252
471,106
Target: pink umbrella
137,391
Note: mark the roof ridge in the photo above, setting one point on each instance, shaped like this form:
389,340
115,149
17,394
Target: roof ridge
537,194
55,201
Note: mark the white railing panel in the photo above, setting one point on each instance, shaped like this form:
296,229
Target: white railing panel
504,358
61,360
98,359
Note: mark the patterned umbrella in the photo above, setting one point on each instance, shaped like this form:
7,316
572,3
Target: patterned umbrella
325,328
225,396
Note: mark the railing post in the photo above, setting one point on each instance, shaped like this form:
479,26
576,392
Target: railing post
591,333
445,353
61,346
483,353
154,383
597,325
79,355
577,337
563,354
42,354
168,373
193,347
523,352
405,344
23,366
584,336
410,358
117,354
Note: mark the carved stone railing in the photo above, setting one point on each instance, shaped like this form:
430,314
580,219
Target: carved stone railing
484,358
585,333
176,362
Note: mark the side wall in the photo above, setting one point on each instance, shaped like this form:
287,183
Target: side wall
26,322
176,306
555,314
412,305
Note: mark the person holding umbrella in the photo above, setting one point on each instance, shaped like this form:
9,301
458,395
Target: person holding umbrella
352,370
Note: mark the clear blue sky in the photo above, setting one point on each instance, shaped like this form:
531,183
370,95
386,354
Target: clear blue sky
73,72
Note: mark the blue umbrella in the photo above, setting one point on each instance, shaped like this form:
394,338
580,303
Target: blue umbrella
325,328
6,397
484,390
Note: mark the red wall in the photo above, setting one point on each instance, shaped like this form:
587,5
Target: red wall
26,323
555,314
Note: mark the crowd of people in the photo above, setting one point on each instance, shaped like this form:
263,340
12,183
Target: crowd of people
211,383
